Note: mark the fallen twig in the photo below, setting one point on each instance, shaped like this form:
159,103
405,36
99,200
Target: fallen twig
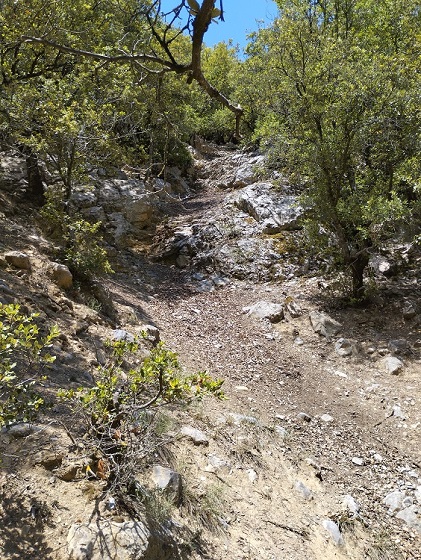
302,532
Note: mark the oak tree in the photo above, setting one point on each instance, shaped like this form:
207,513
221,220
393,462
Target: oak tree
336,100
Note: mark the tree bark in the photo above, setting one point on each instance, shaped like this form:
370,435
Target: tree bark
358,265
200,26
35,190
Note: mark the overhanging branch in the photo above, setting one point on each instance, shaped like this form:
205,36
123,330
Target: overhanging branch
167,62
121,58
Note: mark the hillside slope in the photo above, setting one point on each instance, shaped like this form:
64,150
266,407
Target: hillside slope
315,454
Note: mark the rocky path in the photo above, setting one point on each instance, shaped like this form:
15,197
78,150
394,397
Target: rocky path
329,465
323,423
316,452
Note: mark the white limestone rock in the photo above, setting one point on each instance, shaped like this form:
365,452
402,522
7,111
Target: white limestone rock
334,532
392,365
18,260
169,481
273,312
62,275
324,325
197,436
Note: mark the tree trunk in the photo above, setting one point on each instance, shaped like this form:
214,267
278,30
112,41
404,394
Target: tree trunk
358,265
35,190
167,61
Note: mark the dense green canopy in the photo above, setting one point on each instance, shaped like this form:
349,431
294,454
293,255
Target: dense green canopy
334,92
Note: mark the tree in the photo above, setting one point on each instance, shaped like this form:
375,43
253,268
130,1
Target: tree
23,357
91,85
214,121
337,101
28,75
117,409
155,56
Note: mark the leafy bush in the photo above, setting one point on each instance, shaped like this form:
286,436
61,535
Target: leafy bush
118,408
83,254
23,353
81,249
334,102
217,126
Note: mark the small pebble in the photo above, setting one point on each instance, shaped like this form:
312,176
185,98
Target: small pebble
303,416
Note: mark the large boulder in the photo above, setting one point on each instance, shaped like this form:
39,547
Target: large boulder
119,228
129,208
13,174
139,210
246,258
275,212
84,198
126,207
18,259
324,325
108,540
62,275
246,174
228,243
109,196
234,169
273,312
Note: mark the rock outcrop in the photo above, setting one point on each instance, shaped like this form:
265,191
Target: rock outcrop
109,540
274,211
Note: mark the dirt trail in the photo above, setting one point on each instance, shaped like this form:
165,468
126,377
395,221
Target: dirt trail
308,443
322,421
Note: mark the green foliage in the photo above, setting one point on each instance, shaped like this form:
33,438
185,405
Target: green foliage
88,118
119,395
334,94
83,253
211,120
81,250
76,113
331,89
23,353
118,407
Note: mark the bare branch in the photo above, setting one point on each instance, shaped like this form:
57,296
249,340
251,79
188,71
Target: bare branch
200,26
156,397
167,62
172,65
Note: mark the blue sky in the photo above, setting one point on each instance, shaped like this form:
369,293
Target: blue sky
240,19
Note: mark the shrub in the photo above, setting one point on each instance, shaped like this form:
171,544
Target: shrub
81,242
118,408
23,354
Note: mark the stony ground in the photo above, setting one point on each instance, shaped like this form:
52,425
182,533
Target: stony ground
300,457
